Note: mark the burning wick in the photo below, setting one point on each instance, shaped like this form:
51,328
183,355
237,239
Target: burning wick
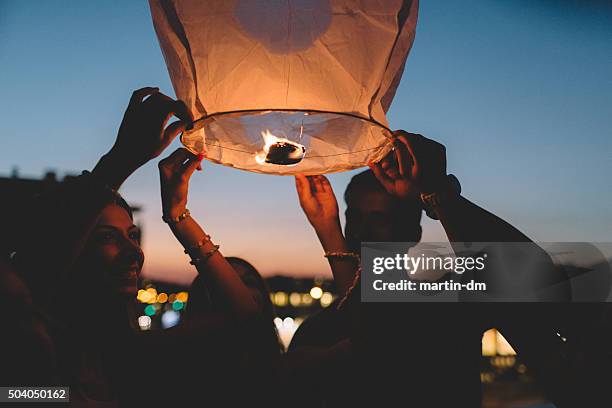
277,150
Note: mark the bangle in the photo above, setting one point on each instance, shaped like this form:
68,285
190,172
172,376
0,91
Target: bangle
198,245
343,255
205,257
449,189
176,220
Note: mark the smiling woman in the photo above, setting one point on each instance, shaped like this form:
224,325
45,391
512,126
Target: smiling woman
85,276
113,254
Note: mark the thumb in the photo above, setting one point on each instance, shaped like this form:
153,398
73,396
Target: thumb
173,130
175,160
187,169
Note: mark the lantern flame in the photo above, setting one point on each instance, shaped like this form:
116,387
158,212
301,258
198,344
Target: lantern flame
278,150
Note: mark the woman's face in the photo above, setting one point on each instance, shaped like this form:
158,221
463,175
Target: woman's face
112,259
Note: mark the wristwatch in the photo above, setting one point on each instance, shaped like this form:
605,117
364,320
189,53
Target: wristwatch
446,191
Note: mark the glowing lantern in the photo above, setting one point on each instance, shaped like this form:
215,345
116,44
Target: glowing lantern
285,87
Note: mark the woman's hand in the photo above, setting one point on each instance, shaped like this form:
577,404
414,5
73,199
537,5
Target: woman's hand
175,172
416,165
143,134
321,208
318,201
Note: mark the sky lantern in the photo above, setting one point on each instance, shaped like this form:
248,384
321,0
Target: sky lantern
287,86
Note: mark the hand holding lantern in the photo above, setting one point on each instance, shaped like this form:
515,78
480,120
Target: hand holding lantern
175,172
416,165
318,201
143,134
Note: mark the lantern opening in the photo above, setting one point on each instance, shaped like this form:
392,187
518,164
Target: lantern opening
280,151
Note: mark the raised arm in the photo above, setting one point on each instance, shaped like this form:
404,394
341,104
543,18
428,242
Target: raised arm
418,166
64,218
175,173
319,203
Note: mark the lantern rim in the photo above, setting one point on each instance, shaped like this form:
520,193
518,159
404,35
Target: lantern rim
349,114
212,149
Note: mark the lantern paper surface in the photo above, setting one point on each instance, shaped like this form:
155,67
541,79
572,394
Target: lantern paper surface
287,86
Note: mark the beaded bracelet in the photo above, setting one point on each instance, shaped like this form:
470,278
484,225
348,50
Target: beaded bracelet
343,255
176,220
356,281
205,257
198,245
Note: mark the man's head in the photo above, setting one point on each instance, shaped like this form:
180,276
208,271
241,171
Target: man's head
372,214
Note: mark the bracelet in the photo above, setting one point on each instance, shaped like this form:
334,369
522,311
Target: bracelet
198,245
353,288
176,220
343,255
449,190
205,257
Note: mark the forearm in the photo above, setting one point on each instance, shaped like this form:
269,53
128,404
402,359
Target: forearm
112,170
215,268
512,255
343,268
464,221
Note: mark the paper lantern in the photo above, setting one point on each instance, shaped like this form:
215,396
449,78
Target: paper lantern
287,86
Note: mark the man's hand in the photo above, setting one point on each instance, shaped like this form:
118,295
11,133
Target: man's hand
318,201
175,172
416,165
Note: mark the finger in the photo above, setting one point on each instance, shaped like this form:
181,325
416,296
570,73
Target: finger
411,142
380,174
175,159
172,131
318,184
389,165
200,158
302,186
325,184
139,94
312,184
404,163
186,170
178,109
183,113
167,107
389,162
327,187
160,108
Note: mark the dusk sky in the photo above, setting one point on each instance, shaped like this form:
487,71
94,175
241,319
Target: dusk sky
520,92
